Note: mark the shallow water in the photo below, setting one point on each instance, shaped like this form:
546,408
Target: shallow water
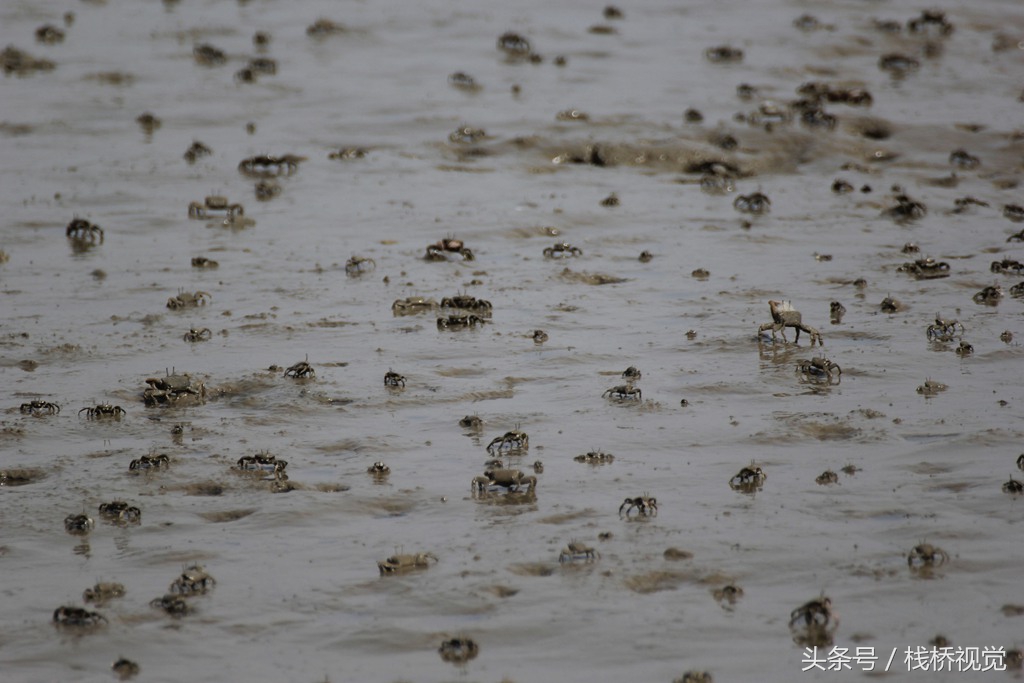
298,596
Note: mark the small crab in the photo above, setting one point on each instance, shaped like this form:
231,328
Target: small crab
458,650
989,296
695,677
755,203
301,370
850,469
595,458
631,374
816,612
174,605
403,562
125,668
196,151
468,303
121,512
411,305
194,580
172,387
262,462
1007,265
513,440
890,305
820,369
576,550
188,300
562,250
624,392
748,479
264,166
393,379
77,617
943,330
214,204
378,470
539,336
357,265
82,230
925,268
931,387
836,311
827,478
906,209
459,321
38,407
102,410
728,594
471,422
448,245
927,555
504,478
147,462
783,316
723,54
193,335
963,349
103,592
1013,486
645,506
203,262
78,525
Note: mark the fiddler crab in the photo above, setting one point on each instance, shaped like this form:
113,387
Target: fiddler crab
595,458
508,479
820,369
989,296
827,478
723,54
943,330
463,81
203,262
357,265
82,230
890,305
964,349
125,668
925,268
468,303
102,411
348,154
514,440
1013,486
174,605
458,650
728,594
378,470
906,209
172,387
393,379
150,462
931,388
459,322
783,316
467,135
300,370
748,479
927,555
539,336
448,245
631,374
576,550
514,44
411,305
193,335
755,203
262,462
38,407
471,422
103,592
121,512
263,165
78,525
404,562
623,392
194,580
814,621
836,311
196,151
1007,265
77,617
214,204
562,250
695,677
188,300
645,505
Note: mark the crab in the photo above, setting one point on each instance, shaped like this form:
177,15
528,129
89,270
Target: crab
121,512
194,335
722,54
195,151
538,467
82,230
1007,265
728,594
468,303
103,592
102,411
393,379
624,392
348,153
301,370
964,349
595,458
172,387
836,311
539,336
943,330
174,605
463,81
755,203
466,135
815,613
906,209
748,479
78,525
77,617
827,478
262,462
403,562
695,677
357,265
194,580
576,550
931,387
147,462
562,250
631,374
645,506
379,470
989,296
890,305
1020,462
820,369
448,245
471,422
927,555
508,479
925,268
1006,336
203,262
214,204
1013,486
188,300
513,44
264,166
783,316
411,305
38,407
458,650
1015,212
208,55
459,321
514,440
125,668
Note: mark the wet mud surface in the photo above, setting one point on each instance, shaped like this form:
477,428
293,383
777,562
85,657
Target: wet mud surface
224,302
